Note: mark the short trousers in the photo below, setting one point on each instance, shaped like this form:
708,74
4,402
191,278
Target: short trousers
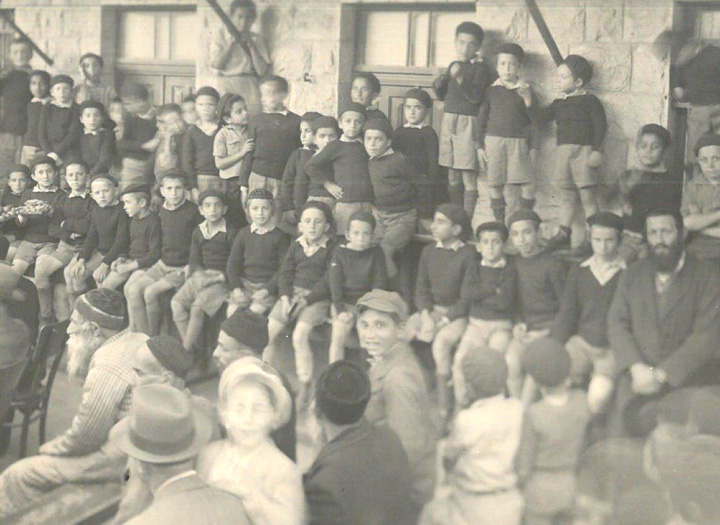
508,160
395,230
261,182
587,359
348,308
249,288
343,211
175,275
459,142
28,251
572,169
133,171
65,252
314,314
210,299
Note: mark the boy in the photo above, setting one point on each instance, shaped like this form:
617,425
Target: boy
70,224
189,114
701,200
418,141
107,239
96,146
40,89
37,207
168,140
256,257
134,134
145,240
505,138
541,278
581,322
356,268
197,150
341,168
325,130
15,97
276,133
92,86
205,290
649,185
394,183
59,128
303,290
462,88
10,201
581,128
365,90
178,219
441,312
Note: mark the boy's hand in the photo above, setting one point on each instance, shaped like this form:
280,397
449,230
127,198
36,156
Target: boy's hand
238,296
482,160
519,330
643,379
101,273
334,190
80,269
454,70
300,304
286,305
595,159
247,147
261,294
526,94
679,94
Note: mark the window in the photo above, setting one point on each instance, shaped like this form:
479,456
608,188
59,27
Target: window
157,35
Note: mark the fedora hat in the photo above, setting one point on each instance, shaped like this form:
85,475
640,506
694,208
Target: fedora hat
162,426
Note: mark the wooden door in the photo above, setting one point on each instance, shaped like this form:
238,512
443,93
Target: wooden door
391,101
178,87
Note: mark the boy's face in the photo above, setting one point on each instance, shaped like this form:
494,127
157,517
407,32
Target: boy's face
115,112
351,124
20,54
206,107
650,150
242,19
91,68
103,191
466,46
260,211
709,160
272,98
173,191
61,92
133,203
605,242
526,237
490,246
249,414
17,181
228,350
38,86
76,177
135,105
313,225
91,118
325,135
307,135
414,111
508,67
213,209
359,235
189,114
171,123
376,142
443,229
238,114
361,92
44,175
565,82
378,332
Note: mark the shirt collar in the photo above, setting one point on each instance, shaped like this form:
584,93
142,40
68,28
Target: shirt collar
387,152
209,232
68,105
41,100
455,246
576,93
82,195
502,263
52,189
519,84
88,132
312,250
415,126
283,112
261,230
343,138
173,208
604,271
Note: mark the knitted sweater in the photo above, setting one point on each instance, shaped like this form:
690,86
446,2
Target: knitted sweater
109,233
37,227
59,129
276,136
295,182
394,182
494,295
136,132
145,240
197,154
15,92
580,120
305,272
645,190
34,110
421,148
257,258
177,228
354,273
440,277
701,77
504,114
97,150
213,253
465,97
73,218
541,279
345,163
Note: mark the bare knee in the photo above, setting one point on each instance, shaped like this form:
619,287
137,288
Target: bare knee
499,340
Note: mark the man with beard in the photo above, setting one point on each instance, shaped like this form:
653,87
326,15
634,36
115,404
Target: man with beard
664,321
100,350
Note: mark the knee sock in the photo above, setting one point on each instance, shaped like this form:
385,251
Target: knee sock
470,200
527,204
498,208
456,193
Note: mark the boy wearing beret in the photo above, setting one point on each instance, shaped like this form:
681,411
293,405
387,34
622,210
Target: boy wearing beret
197,159
40,89
59,127
96,145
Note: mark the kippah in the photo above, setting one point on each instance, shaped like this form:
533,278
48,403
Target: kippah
94,104
342,392
310,116
92,55
579,67
493,226
104,176
363,216
606,219
41,159
523,215
248,329
658,130
457,215
353,106
325,122
171,354
137,188
20,168
419,95
510,48
103,306
209,91
319,205
41,73
379,124
547,362
708,139
211,192
261,193
62,79
484,371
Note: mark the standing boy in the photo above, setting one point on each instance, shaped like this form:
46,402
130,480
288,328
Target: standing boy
40,89
92,86
196,158
365,90
59,128
325,131
15,93
96,145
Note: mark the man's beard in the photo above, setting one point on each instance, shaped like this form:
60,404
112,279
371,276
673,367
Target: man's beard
80,348
668,259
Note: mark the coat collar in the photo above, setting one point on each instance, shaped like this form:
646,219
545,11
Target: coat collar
348,438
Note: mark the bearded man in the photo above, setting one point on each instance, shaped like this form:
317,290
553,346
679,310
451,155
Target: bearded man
664,322
100,350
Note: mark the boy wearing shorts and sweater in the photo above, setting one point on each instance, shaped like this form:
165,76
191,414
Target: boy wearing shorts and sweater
59,127
325,131
40,89
96,145
196,157
463,88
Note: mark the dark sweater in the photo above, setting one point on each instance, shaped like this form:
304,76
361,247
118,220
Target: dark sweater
276,136
580,120
37,227
177,228
97,150
32,133
213,253
440,277
584,308
136,132
295,182
9,199
73,217
305,272
701,77
540,287
257,258
504,114
15,92
59,129
145,240
352,274
421,148
394,183
646,190
493,296
346,164
197,154
109,233
465,98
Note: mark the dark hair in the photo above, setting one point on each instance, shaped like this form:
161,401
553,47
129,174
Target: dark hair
136,90
666,212
279,81
471,28
79,162
92,55
188,98
657,130
174,175
310,116
579,67
40,73
342,392
372,80
169,108
248,5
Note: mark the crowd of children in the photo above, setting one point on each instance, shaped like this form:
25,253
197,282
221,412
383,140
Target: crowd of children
207,209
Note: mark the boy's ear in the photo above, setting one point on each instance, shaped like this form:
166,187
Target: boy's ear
579,82
457,230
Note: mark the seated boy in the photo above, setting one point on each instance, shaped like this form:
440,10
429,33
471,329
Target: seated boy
205,290
59,126
107,239
581,323
356,268
18,181
178,219
256,257
96,145
394,183
325,131
365,90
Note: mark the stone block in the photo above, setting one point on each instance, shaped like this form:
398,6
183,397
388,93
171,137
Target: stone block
509,22
611,65
628,112
293,60
313,97
276,24
324,62
650,71
645,20
316,23
604,20
566,24
539,67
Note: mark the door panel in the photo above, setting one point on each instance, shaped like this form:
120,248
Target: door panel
391,99
154,84
178,87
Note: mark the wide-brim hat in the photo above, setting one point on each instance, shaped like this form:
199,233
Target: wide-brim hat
9,279
163,426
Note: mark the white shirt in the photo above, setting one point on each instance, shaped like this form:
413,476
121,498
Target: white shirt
261,230
310,250
603,271
455,246
208,232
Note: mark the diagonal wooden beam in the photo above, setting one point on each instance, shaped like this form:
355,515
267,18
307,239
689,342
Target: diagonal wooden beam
49,61
544,31
225,19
